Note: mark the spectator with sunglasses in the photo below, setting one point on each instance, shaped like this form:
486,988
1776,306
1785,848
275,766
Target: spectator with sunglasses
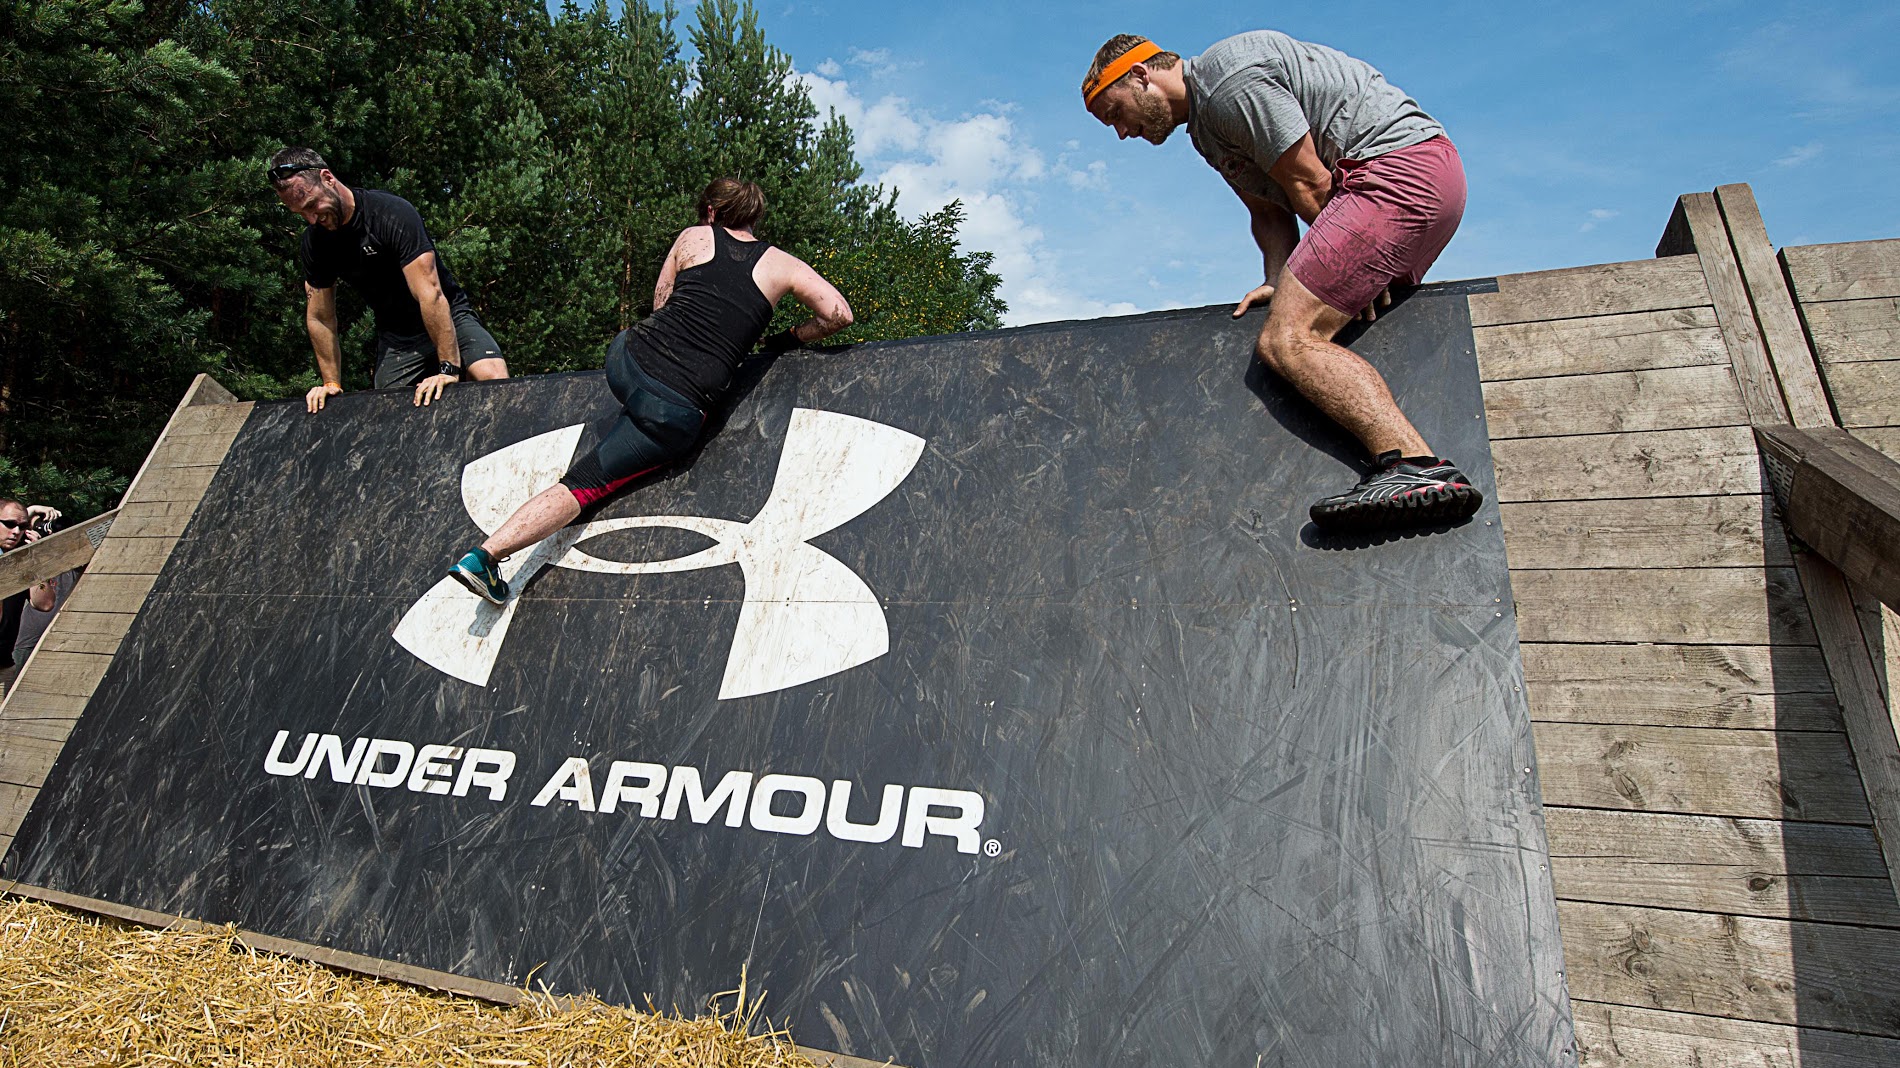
21,526
427,335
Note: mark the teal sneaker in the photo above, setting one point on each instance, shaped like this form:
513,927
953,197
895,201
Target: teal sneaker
478,571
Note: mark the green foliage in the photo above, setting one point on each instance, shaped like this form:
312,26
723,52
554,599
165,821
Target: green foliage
554,157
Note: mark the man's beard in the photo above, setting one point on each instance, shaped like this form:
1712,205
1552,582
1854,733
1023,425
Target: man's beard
1157,121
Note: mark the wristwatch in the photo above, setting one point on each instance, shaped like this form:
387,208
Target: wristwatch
453,370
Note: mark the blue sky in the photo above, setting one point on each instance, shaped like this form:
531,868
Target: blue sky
1579,124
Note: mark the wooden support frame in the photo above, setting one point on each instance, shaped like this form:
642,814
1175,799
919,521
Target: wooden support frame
71,658
1841,497
1781,386
53,555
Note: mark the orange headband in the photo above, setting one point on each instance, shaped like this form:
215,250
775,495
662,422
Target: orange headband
1119,66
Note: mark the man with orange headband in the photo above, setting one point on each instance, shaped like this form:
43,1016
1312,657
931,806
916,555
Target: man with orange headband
1299,129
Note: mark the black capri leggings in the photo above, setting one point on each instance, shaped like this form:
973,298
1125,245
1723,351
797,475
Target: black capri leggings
655,427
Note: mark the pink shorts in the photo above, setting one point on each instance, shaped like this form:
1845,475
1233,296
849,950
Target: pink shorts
1387,221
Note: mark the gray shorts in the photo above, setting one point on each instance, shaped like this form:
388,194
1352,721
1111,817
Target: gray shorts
404,361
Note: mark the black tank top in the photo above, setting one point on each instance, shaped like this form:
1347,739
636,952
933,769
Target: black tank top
694,342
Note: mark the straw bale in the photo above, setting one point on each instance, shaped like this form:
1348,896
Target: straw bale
78,991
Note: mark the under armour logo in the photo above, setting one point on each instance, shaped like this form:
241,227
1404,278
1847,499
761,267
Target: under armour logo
805,615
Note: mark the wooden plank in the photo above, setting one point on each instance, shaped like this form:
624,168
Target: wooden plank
209,421
172,484
1638,341
1657,463
69,674
1613,402
1777,971
131,556
1748,354
1864,710
1605,289
1731,531
1799,871
203,391
1755,687
74,631
1867,393
53,555
1850,331
14,801
1781,333
1694,606
33,706
192,450
1625,1036
110,593
1842,498
25,758
1885,440
1851,271
1795,775
154,526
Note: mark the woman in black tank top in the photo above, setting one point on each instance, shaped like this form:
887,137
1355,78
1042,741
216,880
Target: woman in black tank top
670,369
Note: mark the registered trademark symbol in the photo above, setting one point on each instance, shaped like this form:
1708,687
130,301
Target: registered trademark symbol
992,848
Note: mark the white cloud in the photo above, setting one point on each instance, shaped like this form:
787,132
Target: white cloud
983,161
1799,154
1597,215
830,68
875,60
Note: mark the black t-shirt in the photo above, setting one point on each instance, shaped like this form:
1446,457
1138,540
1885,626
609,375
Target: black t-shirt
10,610
384,235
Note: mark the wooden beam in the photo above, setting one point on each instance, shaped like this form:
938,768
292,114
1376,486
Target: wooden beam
1672,398
1701,216
1856,270
1753,687
1737,530
1605,289
1842,498
1626,1036
1781,331
1764,775
1635,341
1742,867
53,555
1820,975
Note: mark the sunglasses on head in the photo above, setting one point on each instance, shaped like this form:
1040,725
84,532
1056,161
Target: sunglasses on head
284,172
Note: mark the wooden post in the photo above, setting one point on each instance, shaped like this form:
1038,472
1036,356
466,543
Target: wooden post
53,555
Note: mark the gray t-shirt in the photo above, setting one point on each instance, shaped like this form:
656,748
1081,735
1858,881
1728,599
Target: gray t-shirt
1254,95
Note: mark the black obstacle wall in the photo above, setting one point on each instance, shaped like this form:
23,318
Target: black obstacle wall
1246,795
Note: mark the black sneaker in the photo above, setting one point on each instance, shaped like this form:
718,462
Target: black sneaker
1400,492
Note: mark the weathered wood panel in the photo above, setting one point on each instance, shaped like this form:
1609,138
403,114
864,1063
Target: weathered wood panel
1885,439
1658,463
1623,1036
1800,871
123,555
110,593
1791,363
1730,531
1638,341
1674,398
1851,271
1850,331
1747,350
1866,393
1698,606
1605,289
1796,775
1748,686
53,555
87,632
71,674
1779,971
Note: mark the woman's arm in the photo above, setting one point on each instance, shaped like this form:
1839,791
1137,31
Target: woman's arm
830,312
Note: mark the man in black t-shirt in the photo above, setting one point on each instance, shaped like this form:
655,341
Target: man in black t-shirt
426,333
